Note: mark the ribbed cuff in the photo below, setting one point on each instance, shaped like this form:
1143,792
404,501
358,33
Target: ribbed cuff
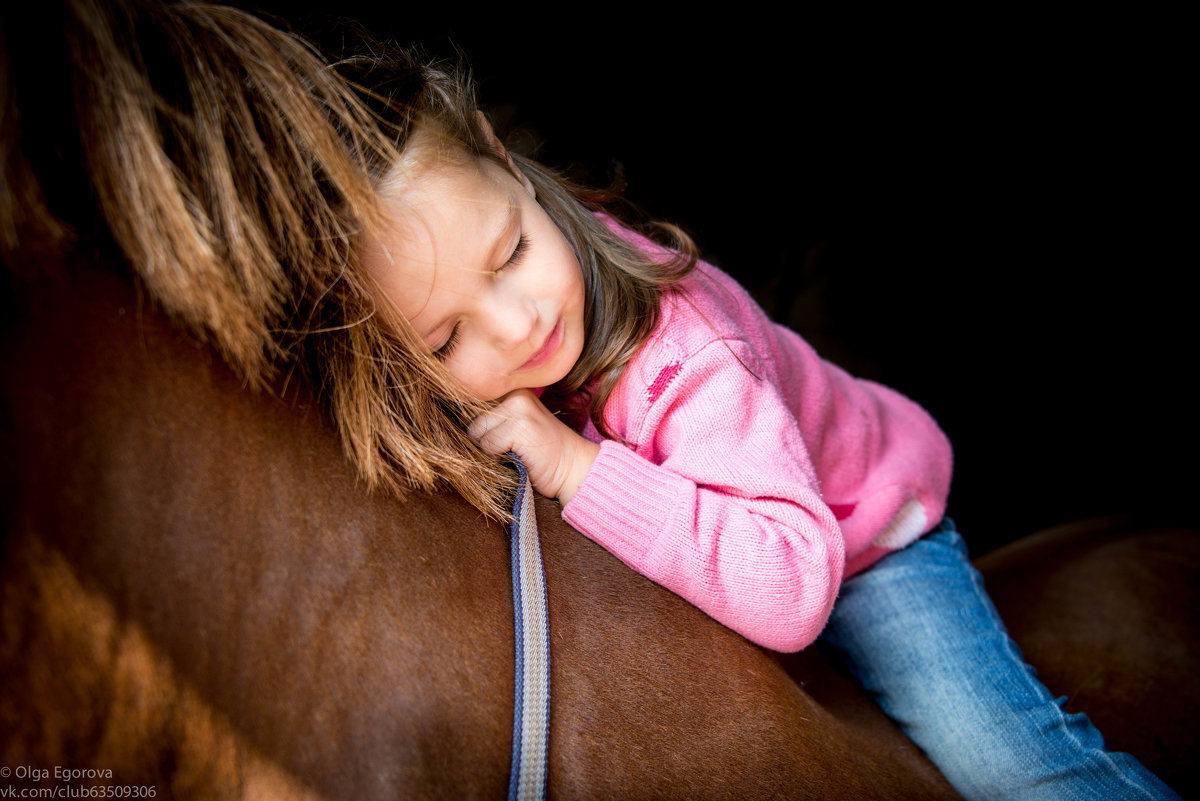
627,502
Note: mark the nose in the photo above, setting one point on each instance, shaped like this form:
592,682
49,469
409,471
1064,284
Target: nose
511,319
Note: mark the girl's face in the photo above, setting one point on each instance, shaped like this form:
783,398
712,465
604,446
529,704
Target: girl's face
482,274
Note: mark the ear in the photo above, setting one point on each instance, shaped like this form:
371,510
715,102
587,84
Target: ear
498,146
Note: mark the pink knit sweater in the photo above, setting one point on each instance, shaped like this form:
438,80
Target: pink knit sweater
758,475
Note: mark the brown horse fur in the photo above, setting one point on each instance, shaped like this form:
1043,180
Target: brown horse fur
198,594
1108,611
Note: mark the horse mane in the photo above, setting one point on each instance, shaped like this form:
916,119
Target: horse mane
228,166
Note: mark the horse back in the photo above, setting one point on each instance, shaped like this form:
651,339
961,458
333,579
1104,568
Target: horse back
200,596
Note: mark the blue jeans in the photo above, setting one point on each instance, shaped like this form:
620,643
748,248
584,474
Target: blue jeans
919,632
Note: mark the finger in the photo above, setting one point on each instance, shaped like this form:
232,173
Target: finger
518,405
495,441
498,415
483,424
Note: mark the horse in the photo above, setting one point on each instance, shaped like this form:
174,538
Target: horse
201,600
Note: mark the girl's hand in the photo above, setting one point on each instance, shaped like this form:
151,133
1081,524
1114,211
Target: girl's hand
556,457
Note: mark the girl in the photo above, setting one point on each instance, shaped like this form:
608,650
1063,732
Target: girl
709,449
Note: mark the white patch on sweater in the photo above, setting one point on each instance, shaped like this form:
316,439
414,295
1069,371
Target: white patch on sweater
908,524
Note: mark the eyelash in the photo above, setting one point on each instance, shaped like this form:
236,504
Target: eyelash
444,351
518,253
514,259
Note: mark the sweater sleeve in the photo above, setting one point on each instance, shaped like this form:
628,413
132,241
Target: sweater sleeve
716,499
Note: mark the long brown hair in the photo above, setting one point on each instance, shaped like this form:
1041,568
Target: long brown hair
234,167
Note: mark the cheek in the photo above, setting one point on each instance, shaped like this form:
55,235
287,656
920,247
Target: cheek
561,270
473,368
576,294
578,288
568,277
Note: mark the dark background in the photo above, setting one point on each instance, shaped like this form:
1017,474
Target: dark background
987,213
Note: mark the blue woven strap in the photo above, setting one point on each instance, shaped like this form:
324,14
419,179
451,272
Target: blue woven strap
531,705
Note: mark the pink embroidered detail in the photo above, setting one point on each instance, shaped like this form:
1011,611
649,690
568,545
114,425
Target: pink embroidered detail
663,380
842,510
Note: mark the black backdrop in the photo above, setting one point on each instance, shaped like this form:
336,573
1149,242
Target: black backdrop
986,213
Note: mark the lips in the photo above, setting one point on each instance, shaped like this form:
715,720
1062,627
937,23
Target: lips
546,351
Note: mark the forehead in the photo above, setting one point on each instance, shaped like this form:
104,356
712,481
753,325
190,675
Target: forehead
444,216
439,179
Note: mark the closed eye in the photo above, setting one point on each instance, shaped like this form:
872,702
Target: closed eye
444,351
518,253
513,260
